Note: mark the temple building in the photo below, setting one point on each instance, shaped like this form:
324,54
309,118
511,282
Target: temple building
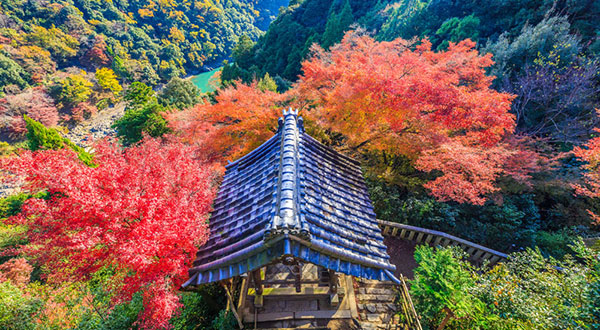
293,214
293,228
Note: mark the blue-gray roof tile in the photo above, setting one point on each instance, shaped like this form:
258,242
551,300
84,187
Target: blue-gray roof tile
292,196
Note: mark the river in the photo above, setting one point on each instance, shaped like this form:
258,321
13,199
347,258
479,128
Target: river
203,82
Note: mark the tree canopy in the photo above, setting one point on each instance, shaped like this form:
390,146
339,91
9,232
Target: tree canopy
139,216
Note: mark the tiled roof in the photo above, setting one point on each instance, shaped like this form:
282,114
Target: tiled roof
292,197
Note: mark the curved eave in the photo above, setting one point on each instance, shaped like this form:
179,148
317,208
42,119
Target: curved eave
263,253
253,153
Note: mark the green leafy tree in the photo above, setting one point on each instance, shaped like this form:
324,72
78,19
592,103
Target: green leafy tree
267,83
458,29
179,94
11,73
138,94
137,121
73,90
40,137
441,286
242,52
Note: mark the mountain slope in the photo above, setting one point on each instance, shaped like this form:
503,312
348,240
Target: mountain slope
143,40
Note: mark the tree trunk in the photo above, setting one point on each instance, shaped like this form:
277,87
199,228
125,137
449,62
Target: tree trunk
446,319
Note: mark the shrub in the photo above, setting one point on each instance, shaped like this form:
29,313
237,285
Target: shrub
202,309
42,138
138,121
527,291
441,286
35,103
179,94
17,310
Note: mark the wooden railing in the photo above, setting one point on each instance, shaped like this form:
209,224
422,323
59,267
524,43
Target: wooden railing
476,252
409,314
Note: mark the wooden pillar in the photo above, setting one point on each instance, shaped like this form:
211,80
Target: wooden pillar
257,280
332,281
334,298
298,277
258,288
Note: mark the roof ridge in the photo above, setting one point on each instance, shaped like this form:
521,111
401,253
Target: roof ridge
287,219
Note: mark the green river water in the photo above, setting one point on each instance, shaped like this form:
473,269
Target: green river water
203,80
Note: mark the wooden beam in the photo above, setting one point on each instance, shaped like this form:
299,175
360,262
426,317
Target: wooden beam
270,292
350,296
231,304
323,314
298,277
257,280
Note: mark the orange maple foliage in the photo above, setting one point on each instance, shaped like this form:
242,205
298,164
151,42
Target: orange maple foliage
436,108
242,118
387,96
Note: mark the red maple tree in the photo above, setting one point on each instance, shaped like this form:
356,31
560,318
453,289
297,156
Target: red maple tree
96,56
590,155
140,215
436,108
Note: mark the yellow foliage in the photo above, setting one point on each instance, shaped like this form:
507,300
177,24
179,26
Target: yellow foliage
176,35
167,3
107,79
164,64
145,12
130,19
177,15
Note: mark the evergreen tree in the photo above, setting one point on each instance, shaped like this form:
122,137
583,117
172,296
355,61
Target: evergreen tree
40,137
242,52
337,24
267,83
138,93
137,121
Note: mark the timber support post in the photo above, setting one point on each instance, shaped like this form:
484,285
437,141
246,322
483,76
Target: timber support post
297,272
258,288
334,298
230,302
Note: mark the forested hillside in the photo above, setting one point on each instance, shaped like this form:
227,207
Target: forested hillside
143,41
545,53
64,60
288,40
478,119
